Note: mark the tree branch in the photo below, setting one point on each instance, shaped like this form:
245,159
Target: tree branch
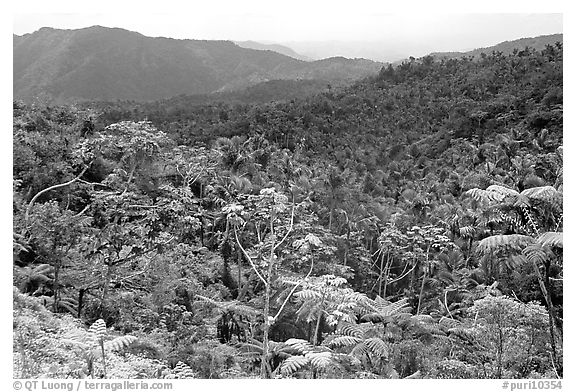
289,229
248,257
292,292
83,211
401,277
51,188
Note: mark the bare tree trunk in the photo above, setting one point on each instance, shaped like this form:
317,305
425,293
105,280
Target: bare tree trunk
551,315
264,370
421,292
387,275
107,279
317,329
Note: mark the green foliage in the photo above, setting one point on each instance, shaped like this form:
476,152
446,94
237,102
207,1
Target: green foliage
320,237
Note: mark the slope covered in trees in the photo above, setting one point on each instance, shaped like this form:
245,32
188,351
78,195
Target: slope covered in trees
99,63
409,225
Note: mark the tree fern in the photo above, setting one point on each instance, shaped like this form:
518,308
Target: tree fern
383,310
34,277
318,358
94,343
230,306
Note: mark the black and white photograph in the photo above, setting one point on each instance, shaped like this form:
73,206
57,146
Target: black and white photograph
287,190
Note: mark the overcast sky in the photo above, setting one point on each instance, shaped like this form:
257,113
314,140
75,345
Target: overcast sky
298,20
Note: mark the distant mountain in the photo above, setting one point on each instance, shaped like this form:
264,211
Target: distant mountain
286,51
99,63
506,47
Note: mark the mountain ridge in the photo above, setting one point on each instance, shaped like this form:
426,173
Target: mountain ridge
506,47
112,63
278,48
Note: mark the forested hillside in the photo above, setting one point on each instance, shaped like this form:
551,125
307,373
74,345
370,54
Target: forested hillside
409,225
99,63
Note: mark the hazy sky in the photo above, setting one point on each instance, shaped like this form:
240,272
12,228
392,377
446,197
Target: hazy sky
296,20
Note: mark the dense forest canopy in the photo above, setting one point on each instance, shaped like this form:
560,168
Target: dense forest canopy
408,225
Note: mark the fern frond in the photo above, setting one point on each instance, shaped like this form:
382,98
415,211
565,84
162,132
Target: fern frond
552,239
350,329
359,350
293,364
383,310
250,350
377,347
320,360
300,345
463,333
448,323
120,342
307,294
537,253
467,231
422,318
494,193
77,341
544,193
98,329
433,329
230,306
344,340
504,242
479,195
183,371
501,191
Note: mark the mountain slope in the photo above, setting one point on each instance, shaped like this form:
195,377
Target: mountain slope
286,51
108,64
506,47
